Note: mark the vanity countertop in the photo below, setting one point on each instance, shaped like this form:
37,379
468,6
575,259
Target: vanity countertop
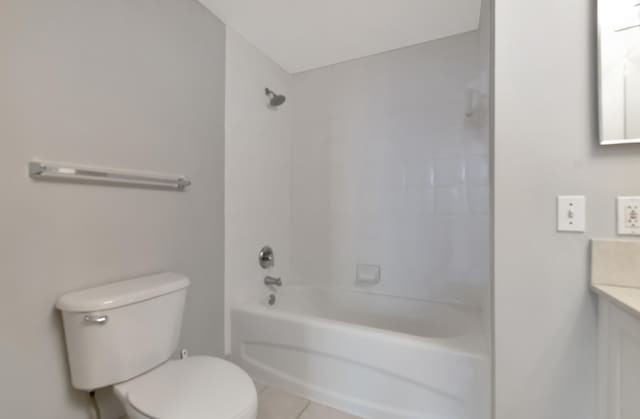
615,272
627,298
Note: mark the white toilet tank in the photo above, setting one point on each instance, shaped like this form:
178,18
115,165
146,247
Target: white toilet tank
121,330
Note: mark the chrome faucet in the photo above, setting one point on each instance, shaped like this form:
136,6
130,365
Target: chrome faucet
271,281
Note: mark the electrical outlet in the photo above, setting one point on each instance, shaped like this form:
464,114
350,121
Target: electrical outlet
628,215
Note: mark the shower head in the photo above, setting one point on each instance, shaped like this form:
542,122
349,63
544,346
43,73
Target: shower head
276,100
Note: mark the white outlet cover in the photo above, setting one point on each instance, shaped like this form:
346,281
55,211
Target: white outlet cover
572,215
628,215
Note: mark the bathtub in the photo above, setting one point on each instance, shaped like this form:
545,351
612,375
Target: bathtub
377,357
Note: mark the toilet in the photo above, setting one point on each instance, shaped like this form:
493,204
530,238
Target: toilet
124,335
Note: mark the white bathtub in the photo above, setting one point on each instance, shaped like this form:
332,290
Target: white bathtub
374,356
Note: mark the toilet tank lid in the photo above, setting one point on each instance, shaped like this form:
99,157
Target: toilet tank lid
122,293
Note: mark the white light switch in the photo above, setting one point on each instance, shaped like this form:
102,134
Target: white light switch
629,215
572,215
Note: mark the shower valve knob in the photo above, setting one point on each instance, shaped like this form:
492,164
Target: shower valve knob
266,258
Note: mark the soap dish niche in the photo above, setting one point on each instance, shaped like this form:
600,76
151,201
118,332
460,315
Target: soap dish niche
368,275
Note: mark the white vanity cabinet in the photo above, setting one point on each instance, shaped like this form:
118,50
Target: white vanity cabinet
615,278
619,361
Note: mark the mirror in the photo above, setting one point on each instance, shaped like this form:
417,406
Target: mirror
619,71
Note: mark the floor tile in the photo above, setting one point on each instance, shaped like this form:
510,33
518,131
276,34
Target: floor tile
276,404
318,411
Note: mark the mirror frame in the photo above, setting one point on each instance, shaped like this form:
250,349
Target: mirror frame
601,138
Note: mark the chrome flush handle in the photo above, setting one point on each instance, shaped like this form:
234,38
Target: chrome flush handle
96,319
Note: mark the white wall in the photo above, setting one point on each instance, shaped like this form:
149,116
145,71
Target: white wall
129,84
258,157
388,171
546,145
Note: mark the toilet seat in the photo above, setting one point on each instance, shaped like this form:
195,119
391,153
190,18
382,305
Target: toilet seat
197,387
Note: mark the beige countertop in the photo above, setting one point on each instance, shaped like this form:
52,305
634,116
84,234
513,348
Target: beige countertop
627,298
615,272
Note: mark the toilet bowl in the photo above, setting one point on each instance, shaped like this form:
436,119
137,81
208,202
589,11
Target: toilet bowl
193,388
123,335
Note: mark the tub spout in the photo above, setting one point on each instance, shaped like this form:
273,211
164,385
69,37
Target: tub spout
271,281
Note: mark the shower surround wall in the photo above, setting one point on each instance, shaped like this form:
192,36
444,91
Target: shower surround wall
258,156
368,162
388,171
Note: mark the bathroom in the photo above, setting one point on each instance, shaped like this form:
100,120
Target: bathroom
356,209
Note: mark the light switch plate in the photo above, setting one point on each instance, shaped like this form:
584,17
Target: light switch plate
572,215
629,215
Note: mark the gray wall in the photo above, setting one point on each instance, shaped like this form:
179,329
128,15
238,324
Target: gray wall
546,145
133,84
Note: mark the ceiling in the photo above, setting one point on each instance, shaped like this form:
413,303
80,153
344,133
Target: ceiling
302,35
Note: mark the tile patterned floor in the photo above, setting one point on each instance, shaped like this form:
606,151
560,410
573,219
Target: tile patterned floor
277,404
